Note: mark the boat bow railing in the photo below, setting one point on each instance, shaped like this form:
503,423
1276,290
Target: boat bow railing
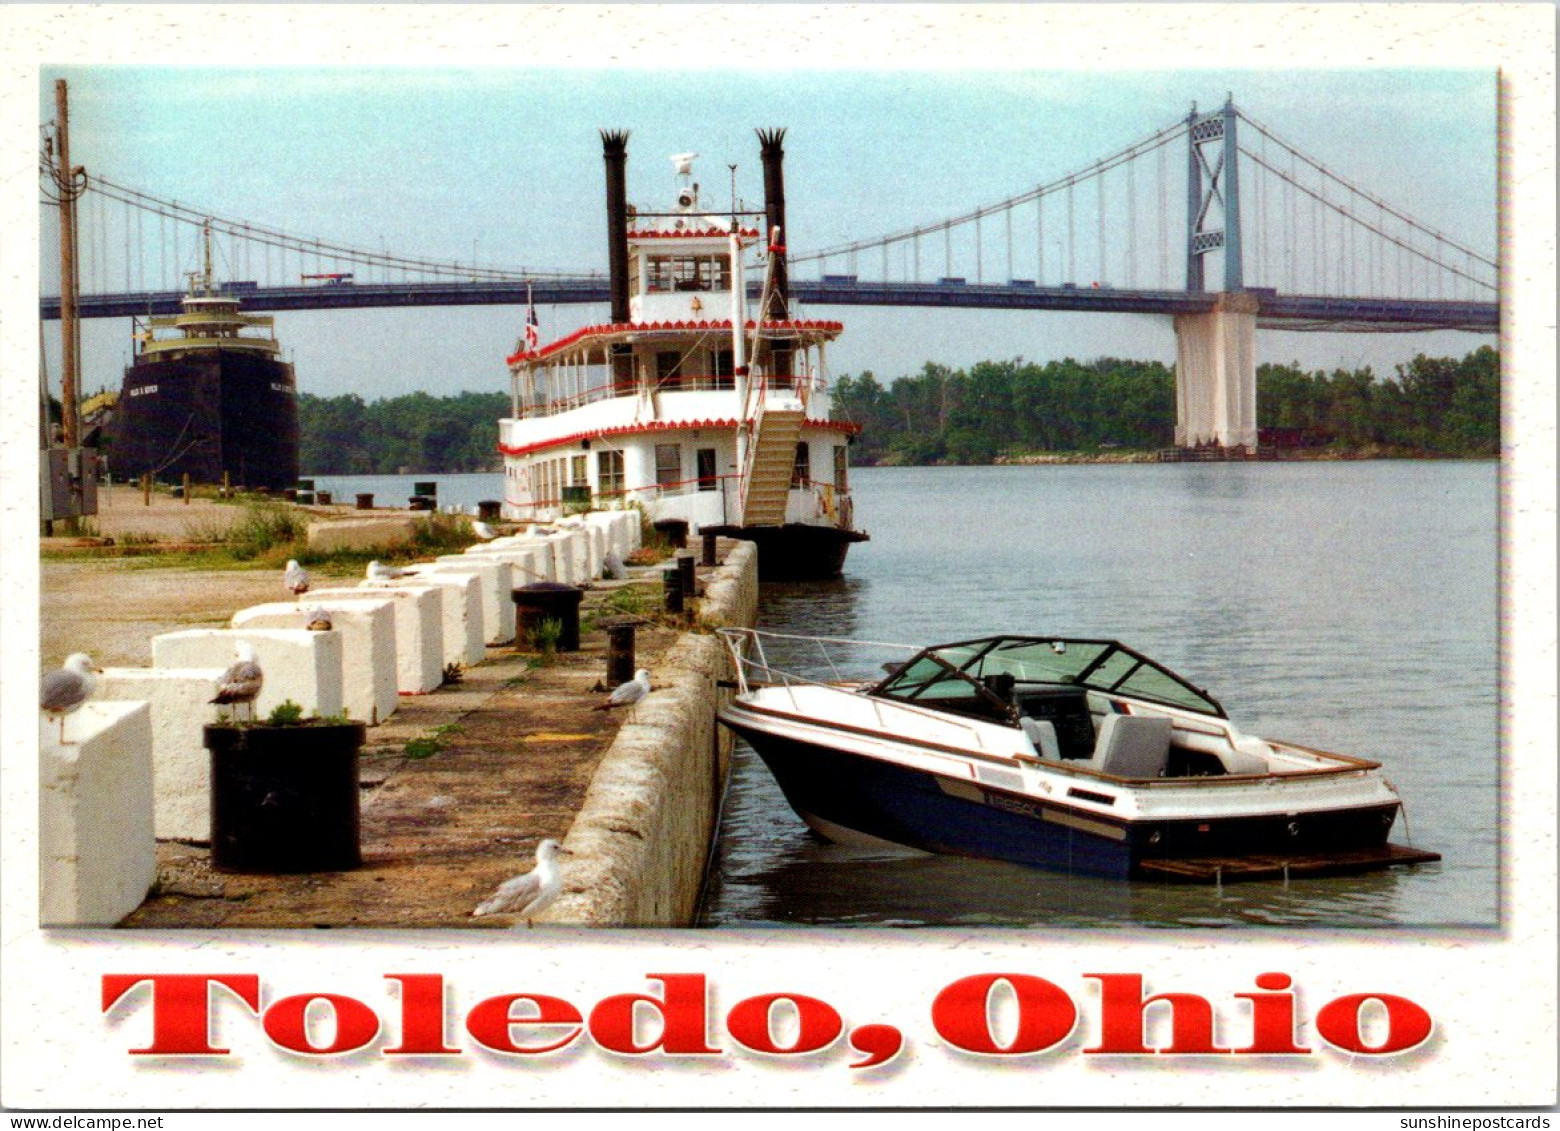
752,663
753,668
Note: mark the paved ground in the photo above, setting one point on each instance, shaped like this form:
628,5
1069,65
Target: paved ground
110,606
518,743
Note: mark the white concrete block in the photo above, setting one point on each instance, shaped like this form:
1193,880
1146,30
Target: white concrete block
382,532
180,702
419,631
528,563
596,542
571,556
367,628
621,529
97,848
497,574
299,665
461,611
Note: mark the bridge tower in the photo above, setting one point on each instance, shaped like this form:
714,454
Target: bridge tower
1216,355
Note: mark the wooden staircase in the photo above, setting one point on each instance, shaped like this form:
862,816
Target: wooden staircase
771,459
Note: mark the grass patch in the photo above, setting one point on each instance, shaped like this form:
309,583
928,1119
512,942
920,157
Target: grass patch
264,529
628,601
544,636
426,746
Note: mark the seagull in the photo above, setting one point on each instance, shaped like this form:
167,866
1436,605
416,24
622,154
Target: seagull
319,620
68,688
377,572
483,531
529,893
296,578
612,566
241,682
625,694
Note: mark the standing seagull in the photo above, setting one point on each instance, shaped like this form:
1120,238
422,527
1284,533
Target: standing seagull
626,694
68,688
296,578
377,572
241,682
529,893
483,531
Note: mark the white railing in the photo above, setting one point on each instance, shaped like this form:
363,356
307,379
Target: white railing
752,666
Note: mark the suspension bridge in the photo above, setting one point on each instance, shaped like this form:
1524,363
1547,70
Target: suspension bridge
1213,220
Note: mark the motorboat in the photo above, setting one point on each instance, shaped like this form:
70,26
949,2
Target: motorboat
1074,755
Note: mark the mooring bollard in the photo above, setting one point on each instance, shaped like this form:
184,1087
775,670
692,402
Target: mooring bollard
709,549
685,568
620,652
548,600
672,596
674,530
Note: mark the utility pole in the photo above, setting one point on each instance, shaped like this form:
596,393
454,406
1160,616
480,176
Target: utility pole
70,324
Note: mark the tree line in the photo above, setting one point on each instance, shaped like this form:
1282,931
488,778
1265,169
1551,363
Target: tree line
1432,407
414,433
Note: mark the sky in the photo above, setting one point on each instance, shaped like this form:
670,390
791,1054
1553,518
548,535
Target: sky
503,163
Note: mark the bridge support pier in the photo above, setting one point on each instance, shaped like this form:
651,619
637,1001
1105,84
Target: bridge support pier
1216,375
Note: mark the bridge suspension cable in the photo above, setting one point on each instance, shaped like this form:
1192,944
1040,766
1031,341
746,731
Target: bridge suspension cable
1308,230
172,215
974,217
1417,243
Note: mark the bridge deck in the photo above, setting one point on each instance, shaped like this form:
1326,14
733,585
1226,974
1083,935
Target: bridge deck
1280,311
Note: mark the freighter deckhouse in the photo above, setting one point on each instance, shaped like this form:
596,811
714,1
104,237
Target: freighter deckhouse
685,403
207,395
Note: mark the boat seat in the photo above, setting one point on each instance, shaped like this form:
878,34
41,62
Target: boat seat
1245,755
1042,736
1132,746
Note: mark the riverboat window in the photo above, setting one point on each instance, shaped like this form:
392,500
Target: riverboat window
579,475
801,470
723,367
689,273
668,369
704,460
841,475
609,474
668,465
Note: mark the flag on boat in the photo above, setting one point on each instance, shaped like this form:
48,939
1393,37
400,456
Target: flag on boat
532,333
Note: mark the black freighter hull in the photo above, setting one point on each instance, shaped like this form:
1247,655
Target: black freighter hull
208,413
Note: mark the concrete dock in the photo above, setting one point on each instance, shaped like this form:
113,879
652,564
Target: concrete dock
459,785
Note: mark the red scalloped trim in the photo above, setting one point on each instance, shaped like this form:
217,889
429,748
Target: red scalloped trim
660,426
685,233
624,327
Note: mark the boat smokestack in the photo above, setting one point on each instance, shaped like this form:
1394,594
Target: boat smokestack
773,153
614,151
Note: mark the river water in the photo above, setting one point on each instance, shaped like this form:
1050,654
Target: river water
1348,606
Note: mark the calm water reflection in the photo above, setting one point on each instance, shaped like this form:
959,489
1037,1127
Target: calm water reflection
1350,606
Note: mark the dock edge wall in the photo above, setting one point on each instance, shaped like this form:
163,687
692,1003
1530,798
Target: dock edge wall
644,832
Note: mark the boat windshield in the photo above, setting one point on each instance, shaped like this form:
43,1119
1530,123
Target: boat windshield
1003,667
